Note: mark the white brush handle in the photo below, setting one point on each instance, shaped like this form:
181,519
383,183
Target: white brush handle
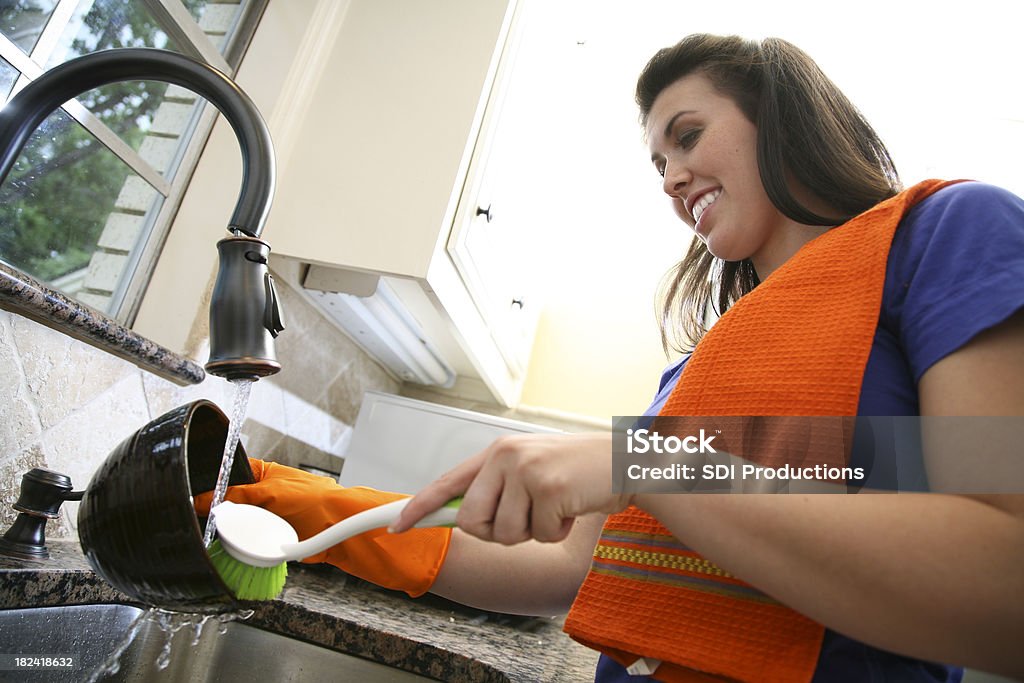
373,518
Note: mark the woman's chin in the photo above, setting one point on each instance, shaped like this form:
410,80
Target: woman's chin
717,248
722,249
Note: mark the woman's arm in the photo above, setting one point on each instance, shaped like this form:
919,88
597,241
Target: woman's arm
534,578
514,573
935,576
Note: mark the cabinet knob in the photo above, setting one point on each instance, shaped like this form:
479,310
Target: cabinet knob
517,303
488,212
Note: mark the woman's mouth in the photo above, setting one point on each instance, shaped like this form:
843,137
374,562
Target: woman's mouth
702,205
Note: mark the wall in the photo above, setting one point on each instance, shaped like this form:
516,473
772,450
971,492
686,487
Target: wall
66,405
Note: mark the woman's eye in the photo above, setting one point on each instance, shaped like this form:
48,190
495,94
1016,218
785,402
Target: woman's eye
688,138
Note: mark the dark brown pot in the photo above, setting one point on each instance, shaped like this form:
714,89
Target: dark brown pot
136,522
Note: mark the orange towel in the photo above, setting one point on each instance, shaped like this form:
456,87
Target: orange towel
796,345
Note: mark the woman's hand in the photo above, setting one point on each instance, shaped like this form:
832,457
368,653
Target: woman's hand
525,486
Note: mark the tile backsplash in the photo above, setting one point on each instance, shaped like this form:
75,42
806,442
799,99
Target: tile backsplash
65,405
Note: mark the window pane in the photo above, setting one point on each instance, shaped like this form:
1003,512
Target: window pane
73,212
216,18
106,24
23,20
8,75
128,108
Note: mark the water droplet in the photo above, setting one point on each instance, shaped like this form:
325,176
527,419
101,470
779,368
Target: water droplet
197,630
164,660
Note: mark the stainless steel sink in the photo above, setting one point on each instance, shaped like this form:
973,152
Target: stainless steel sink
90,633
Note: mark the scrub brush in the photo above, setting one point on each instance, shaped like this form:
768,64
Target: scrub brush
254,545
245,581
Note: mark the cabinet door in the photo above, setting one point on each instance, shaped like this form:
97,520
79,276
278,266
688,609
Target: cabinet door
495,262
490,245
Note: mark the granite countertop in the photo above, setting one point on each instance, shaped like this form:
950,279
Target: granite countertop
322,605
34,300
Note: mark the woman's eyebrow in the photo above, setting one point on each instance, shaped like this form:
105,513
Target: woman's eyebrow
672,121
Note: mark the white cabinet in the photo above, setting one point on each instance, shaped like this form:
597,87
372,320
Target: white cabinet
388,170
490,247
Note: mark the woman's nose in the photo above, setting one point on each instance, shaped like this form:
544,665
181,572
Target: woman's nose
676,178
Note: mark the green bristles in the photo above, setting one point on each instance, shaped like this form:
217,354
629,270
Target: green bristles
244,580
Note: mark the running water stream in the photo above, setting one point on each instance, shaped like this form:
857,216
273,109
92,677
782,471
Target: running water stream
238,407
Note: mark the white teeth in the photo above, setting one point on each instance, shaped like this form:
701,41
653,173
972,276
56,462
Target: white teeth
704,202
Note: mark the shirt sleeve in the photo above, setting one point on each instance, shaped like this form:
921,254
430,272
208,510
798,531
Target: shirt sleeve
956,268
669,377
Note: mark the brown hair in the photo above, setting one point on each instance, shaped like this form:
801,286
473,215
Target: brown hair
807,130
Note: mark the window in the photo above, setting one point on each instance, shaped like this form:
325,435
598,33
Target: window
89,201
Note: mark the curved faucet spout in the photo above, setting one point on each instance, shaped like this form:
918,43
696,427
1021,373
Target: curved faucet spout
245,316
29,108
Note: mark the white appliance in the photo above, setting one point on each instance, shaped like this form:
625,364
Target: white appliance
401,444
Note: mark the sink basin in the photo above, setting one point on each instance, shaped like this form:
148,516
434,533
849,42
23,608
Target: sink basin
92,632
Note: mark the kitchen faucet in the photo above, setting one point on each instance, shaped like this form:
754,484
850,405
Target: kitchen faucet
245,314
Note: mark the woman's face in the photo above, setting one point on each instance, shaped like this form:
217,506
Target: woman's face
706,150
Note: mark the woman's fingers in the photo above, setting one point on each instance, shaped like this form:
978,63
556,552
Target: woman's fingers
480,501
548,523
449,485
512,517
